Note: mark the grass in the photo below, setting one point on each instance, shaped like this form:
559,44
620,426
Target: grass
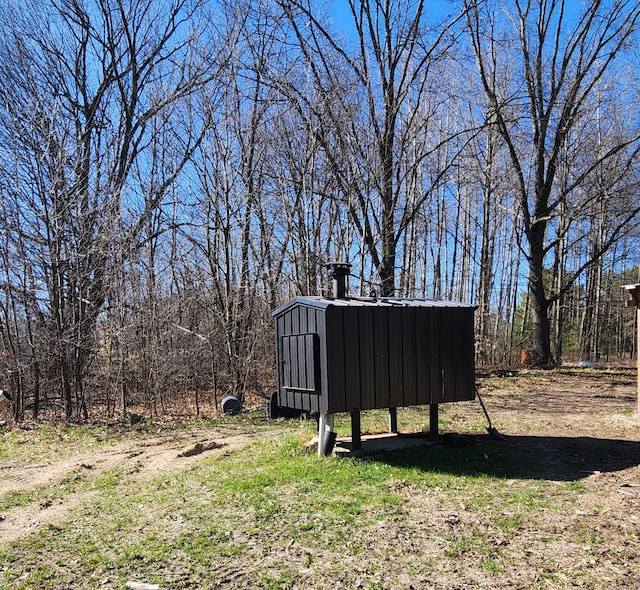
276,516
17,444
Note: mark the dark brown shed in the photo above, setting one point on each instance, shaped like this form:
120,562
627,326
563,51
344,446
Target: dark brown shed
351,354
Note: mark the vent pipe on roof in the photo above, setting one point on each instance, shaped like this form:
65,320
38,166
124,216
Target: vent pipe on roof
339,271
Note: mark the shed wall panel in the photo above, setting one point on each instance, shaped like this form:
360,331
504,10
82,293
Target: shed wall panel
409,368
289,397
320,404
381,359
423,325
295,319
436,350
300,361
278,357
396,378
366,359
313,403
300,358
352,354
337,349
311,366
303,319
456,357
296,368
448,357
298,371
467,350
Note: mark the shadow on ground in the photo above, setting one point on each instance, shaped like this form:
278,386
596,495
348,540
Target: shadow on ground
530,457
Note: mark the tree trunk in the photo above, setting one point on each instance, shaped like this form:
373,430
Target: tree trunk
539,304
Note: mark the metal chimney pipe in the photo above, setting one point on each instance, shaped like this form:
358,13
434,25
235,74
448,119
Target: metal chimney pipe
338,271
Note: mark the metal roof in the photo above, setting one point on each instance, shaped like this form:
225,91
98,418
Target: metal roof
325,302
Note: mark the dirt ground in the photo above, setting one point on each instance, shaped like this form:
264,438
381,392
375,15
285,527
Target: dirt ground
572,427
141,459
564,427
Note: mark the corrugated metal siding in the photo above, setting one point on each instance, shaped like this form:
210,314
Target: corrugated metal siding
301,362
381,344
374,354
396,357
301,386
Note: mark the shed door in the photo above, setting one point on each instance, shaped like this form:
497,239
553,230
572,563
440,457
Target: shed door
301,362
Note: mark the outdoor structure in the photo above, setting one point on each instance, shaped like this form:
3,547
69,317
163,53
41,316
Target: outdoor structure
634,301
347,354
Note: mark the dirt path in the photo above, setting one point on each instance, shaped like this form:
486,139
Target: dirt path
139,459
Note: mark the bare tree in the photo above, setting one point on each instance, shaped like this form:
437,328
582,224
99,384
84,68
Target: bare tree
377,96
539,64
83,83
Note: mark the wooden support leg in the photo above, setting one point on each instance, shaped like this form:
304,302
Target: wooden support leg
356,440
393,420
433,421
